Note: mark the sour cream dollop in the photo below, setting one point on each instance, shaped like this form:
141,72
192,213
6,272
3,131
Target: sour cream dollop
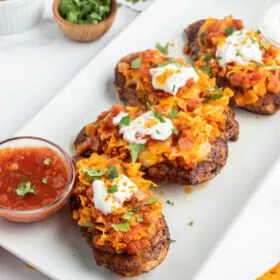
109,202
270,24
239,47
171,77
145,125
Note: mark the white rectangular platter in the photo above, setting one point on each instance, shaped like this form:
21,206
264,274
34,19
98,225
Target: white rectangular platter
56,247
251,246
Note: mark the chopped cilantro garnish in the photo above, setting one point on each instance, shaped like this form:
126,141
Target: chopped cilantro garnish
253,40
157,131
202,37
206,70
158,115
173,113
93,174
135,149
190,224
152,200
258,32
213,97
128,215
136,63
175,131
229,30
272,67
139,219
112,172
85,12
170,61
47,161
125,121
173,89
45,180
219,57
170,202
88,224
172,241
113,189
121,227
239,53
208,57
162,49
264,46
137,209
25,188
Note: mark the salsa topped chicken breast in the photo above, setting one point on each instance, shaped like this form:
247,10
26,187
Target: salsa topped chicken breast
172,146
238,58
151,78
119,216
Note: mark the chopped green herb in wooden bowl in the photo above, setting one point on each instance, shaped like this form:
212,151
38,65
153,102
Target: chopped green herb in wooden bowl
85,20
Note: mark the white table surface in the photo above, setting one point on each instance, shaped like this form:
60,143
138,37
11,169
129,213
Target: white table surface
34,66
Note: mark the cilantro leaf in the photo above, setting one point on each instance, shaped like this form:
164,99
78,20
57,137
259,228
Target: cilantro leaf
121,227
172,241
47,161
125,121
208,57
128,215
112,172
229,30
45,180
25,188
152,200
135,149
190,224
113,189
175,131
136,63
211,89
137,209
206,70
173,113
158,115
170,202
93,174
239,53
272,67
88,224
162,49
264,46
212,97
170,61
139,219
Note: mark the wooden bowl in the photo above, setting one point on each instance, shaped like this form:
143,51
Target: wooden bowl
84,32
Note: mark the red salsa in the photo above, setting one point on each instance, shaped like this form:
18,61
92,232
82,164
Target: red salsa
31,177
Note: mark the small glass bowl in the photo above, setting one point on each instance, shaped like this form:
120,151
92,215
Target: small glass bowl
25,216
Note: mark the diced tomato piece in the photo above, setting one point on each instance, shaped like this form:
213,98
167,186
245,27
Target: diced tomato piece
132,249
144,243
273,84
185,142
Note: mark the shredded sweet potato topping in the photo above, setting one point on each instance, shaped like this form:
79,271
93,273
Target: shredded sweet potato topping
144,209
191,145
272,274
251,81
202,98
